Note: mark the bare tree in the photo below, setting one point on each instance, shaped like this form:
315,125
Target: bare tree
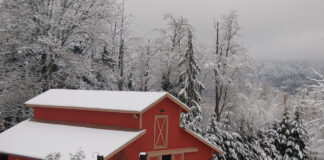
121,50
172,46
117,42
228,61
42,45
314,101
145,66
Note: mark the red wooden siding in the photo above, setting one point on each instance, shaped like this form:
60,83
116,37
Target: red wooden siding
177,137
17,158
87,117
132,151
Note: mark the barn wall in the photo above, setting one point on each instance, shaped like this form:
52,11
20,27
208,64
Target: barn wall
86,116
10,157
177,138
132,151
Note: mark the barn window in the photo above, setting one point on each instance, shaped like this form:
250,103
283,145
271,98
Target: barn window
161,131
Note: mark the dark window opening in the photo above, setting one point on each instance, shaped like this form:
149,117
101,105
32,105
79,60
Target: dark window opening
3,157
166,157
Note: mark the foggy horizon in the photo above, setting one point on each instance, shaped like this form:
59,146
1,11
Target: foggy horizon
271,30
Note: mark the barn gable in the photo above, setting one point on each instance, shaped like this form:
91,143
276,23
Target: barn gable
162,123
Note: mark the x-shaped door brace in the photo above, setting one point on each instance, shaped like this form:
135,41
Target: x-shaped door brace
181,158
160,128
161,131
173,157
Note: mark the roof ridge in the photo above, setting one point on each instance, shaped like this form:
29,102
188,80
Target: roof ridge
105,90
133,102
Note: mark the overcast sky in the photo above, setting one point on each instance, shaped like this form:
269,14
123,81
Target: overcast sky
271,29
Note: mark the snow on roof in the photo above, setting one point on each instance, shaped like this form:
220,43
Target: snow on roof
119,101
112,100
37,139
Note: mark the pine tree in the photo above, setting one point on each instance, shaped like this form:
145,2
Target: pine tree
232,143
53,156
267,137
107,59
299,135
166,84
292,139
215,135
190,87
284,141
1,123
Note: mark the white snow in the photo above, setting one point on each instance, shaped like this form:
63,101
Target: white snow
37,140
96,99
142,154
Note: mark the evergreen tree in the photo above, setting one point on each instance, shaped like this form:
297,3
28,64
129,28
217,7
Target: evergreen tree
215,135
190,87
267,137
53,156
130,79
292,139
1,123
284,141
107,59
299,135
232,143
166,85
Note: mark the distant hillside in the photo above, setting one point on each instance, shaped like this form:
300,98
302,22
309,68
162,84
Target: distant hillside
286,75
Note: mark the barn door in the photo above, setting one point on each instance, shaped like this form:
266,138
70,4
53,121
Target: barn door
155,158
178,156
171,157
161,131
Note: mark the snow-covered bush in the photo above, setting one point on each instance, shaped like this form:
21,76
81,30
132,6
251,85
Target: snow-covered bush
78,155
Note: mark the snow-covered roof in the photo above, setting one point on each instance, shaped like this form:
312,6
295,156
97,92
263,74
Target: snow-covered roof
38,139
118,101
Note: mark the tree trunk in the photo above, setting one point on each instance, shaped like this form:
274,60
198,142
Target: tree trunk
217,93
121,66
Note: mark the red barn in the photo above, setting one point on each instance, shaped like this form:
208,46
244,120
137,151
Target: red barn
117,125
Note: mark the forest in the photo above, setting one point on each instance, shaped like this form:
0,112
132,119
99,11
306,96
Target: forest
251,109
